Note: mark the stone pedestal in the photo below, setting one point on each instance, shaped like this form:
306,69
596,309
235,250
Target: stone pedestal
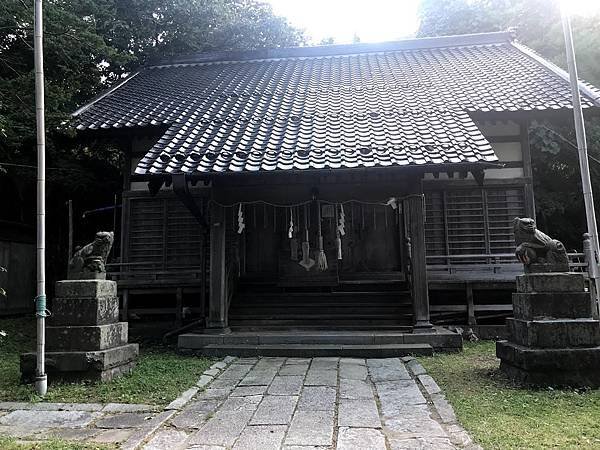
84,339
553,337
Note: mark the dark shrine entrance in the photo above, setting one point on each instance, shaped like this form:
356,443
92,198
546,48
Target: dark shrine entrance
341,251
361,241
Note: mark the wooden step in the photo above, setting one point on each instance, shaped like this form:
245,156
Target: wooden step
314,350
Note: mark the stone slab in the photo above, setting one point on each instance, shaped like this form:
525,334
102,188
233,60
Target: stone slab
215,393
355,389
317,398
551,282
184,398
321,377
85,288
547,305
360,438
165,439
101,365
414,422
557,333
70,434
578,367
243,391
124,420
429,384
249,403
258,377
311,428
294,369
286,385
264,437
396,397
388,370
360,413
222,429
195,414
127,407
115,436
87,337
275,410
48,419
421,443
353,371
84,311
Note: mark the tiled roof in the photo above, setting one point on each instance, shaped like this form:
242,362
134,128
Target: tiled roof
331,107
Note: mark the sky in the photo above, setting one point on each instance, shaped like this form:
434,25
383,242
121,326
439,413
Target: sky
370,20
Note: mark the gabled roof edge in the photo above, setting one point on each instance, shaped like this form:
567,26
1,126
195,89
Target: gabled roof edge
102,95
339,49
587,89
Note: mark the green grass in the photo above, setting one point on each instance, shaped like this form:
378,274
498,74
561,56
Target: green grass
159,377
503,415
7,443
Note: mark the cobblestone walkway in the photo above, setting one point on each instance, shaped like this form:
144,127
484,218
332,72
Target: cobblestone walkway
295,403
267,403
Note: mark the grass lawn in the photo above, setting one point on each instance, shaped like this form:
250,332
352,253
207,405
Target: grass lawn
15,444
502,415
159,377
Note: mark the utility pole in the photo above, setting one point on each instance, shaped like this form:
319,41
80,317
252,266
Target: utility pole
586,183
41,379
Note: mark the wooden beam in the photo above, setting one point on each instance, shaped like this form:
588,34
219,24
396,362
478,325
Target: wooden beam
217,309
527,170
415,207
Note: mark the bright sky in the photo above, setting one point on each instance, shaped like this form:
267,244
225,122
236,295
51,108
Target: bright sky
370,20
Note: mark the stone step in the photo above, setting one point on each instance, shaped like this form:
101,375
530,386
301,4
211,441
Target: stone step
438,338
315,326
314,350
321,321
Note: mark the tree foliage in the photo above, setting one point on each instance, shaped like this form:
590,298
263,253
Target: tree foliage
89,45
557,182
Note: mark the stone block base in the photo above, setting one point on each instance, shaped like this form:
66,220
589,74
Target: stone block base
557,333
577,367
551,282
546,305
101,365
84,311
86,338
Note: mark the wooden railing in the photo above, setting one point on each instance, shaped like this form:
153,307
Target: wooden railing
486,267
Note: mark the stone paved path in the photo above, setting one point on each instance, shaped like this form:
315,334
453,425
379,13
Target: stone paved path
267,403
297,403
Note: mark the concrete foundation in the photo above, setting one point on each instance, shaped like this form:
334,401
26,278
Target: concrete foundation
84,341
553,338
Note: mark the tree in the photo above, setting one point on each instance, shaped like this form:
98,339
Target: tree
89,45
557,183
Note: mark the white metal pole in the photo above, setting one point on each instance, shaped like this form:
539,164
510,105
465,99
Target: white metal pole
586,183
41,379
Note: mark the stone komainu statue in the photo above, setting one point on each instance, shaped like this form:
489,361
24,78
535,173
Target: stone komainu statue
538,249
89,261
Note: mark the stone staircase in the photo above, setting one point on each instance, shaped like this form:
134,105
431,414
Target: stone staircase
348,306
351,319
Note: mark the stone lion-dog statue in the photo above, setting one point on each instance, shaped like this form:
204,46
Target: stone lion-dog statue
89,261
536,250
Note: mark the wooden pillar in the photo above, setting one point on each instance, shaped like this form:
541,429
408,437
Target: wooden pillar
415,206
217,308
527,170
